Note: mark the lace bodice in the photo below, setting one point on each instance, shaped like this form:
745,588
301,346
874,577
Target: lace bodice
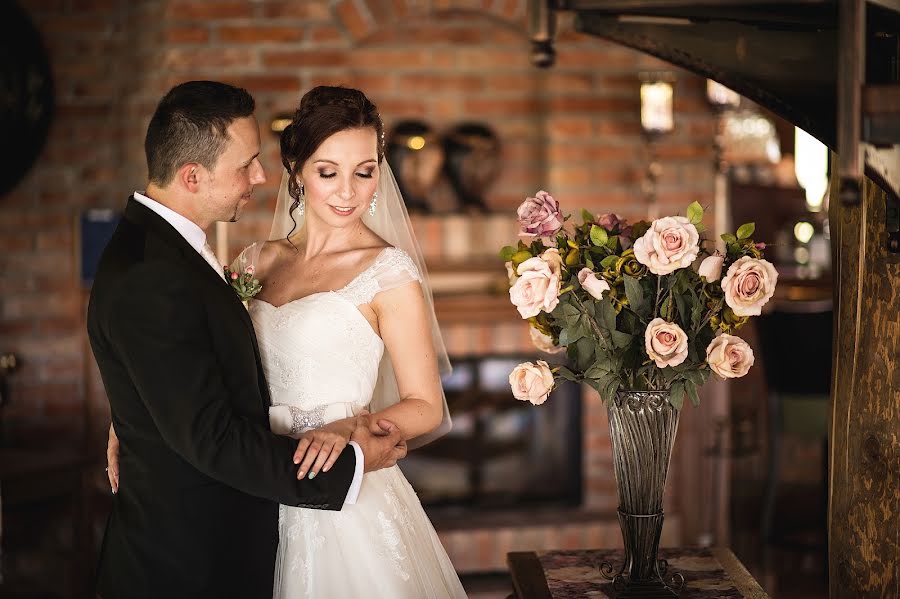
319,351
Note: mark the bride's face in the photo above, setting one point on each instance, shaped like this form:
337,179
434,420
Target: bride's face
341,176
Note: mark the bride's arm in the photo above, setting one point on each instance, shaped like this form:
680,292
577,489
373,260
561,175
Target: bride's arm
405,327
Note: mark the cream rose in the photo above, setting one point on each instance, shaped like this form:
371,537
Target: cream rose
540,216
748,285
591,283
531,382
666,343
544,342
554,260
537,287
729,356
711,268
670,243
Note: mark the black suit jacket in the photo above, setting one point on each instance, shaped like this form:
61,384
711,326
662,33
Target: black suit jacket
201,474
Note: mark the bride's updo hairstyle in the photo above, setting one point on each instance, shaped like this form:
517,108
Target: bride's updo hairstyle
324,111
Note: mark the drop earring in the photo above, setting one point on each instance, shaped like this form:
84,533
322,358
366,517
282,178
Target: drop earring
301,201
373,204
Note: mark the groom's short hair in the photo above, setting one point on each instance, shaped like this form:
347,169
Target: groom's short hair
190,125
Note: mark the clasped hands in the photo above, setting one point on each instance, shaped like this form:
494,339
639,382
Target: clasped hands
380,440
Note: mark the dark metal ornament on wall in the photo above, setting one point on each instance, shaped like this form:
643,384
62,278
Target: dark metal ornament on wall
416,156
26,95
472,163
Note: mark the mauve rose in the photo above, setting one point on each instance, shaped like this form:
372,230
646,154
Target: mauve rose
536,289
728,356
609,221
666,343
592,284
670,243
749,285
531,382
539,216
711,268
544,342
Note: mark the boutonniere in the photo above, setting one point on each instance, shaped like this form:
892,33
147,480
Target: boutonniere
243,283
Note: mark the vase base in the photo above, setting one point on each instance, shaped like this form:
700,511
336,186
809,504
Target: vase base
644,589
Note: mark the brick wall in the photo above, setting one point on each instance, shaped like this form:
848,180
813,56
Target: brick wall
574,130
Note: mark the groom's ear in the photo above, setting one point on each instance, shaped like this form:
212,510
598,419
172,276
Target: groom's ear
190,176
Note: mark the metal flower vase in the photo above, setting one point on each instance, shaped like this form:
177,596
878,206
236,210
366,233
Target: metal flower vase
642,426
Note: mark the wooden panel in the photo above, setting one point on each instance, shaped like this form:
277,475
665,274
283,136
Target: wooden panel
864,511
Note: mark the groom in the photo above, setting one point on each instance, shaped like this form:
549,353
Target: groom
196,514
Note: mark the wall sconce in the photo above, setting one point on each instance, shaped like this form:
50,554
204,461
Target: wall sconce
811,168
657,113
721,97
279,123
657,119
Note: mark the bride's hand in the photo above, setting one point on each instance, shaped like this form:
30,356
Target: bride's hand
319,449
112,459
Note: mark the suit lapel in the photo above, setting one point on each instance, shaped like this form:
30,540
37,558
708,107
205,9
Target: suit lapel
140,214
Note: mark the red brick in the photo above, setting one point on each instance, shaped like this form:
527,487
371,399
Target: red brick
325,34
594,105
570,126
267,83
406,107
357,24
444,84
16,242
209,11
517,83
488,58
255,34
56,240
16,328
568,152
485,107
305,58
383,59
307,10
74,26
187,35
189,59
382,84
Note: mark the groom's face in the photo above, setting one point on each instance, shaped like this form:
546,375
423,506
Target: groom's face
230,183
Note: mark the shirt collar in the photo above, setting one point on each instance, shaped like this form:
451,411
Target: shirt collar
187,228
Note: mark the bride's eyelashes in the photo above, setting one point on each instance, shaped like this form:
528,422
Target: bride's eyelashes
324,175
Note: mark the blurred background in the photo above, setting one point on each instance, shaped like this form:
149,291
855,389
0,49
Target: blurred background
472,129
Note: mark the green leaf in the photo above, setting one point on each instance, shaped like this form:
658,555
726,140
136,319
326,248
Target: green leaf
588,262
635,296
677,394
728,238
701,228
584,350
666,308
692,393
586,216
599,236
609,262
607,315
567,374
507,253
746,230
695,213
620,339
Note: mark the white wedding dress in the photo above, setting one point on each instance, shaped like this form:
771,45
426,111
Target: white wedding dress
321,355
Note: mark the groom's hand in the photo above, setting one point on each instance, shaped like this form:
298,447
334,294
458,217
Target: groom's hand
381,442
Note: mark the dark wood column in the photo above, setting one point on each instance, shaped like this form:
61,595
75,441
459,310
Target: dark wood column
864,510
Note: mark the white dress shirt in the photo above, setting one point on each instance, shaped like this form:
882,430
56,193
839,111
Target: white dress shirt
196,238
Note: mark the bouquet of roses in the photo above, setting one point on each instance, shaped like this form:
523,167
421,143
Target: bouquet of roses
625,303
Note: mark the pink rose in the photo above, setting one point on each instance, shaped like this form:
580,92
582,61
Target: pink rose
729,356
531,382
592,284
666,343
234,276
554,260
544,342
539,216
711,268
537,287
748,285
670,243
249,270
610,221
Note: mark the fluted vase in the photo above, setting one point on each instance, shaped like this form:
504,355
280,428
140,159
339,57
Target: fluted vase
642,427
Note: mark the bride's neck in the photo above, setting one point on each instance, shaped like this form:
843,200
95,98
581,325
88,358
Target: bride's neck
320,238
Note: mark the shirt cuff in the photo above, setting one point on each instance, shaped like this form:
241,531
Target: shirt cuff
356,484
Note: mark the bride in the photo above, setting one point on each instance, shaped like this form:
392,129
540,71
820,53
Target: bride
345,323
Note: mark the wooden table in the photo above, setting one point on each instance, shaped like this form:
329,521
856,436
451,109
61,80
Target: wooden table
713,573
